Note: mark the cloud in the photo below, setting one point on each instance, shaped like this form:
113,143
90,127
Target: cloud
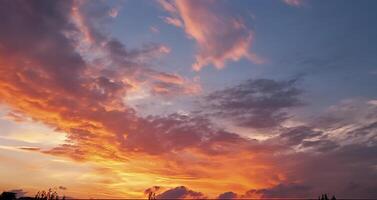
46,82
107,56
76,85
62,188
308,175
220,37
47,79
154,29
15,116
228,195
296,135
280,191
123,57
59,69
30,148
19,192
160,135
350,121
173,21
294,3
168,6
259,103
321,145
173,84
113,12
180,192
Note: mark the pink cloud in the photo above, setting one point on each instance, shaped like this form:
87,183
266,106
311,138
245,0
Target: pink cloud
113,12
220,37
173,21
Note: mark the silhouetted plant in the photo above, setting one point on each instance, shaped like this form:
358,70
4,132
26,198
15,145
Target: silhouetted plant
49,195
325,197
151,196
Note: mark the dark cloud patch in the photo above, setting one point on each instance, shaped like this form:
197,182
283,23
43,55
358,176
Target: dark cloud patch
322,145
352,120
367,131
281,191
62,188
126,58
304,137
357,153
68,150
30,35
348,111
358,188
295,135
19,192
257,103
158,135
30,148
180,192
331,171
227,195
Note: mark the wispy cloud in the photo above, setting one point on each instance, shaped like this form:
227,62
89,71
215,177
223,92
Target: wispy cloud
295,3
154,29
173,21
260,103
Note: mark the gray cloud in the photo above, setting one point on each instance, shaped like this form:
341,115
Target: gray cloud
322,145
350,121
227,195
281,191
158,135
296,135
255,103
63,188
180,192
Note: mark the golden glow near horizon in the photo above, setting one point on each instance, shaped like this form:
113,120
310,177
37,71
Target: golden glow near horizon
106,178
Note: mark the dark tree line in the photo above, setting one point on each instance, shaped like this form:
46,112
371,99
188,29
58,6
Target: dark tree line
324,197
50,194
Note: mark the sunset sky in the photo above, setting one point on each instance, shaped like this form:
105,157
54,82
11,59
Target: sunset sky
189,98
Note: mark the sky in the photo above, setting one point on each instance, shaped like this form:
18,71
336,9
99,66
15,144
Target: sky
189,99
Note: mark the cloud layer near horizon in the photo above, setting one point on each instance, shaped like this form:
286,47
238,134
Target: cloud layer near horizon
58,68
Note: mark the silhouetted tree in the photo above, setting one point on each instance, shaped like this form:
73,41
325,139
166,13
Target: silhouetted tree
325,197
151,195
8,196
49,195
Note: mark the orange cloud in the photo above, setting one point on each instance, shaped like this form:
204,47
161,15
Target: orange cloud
46,76
173,84
53,83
